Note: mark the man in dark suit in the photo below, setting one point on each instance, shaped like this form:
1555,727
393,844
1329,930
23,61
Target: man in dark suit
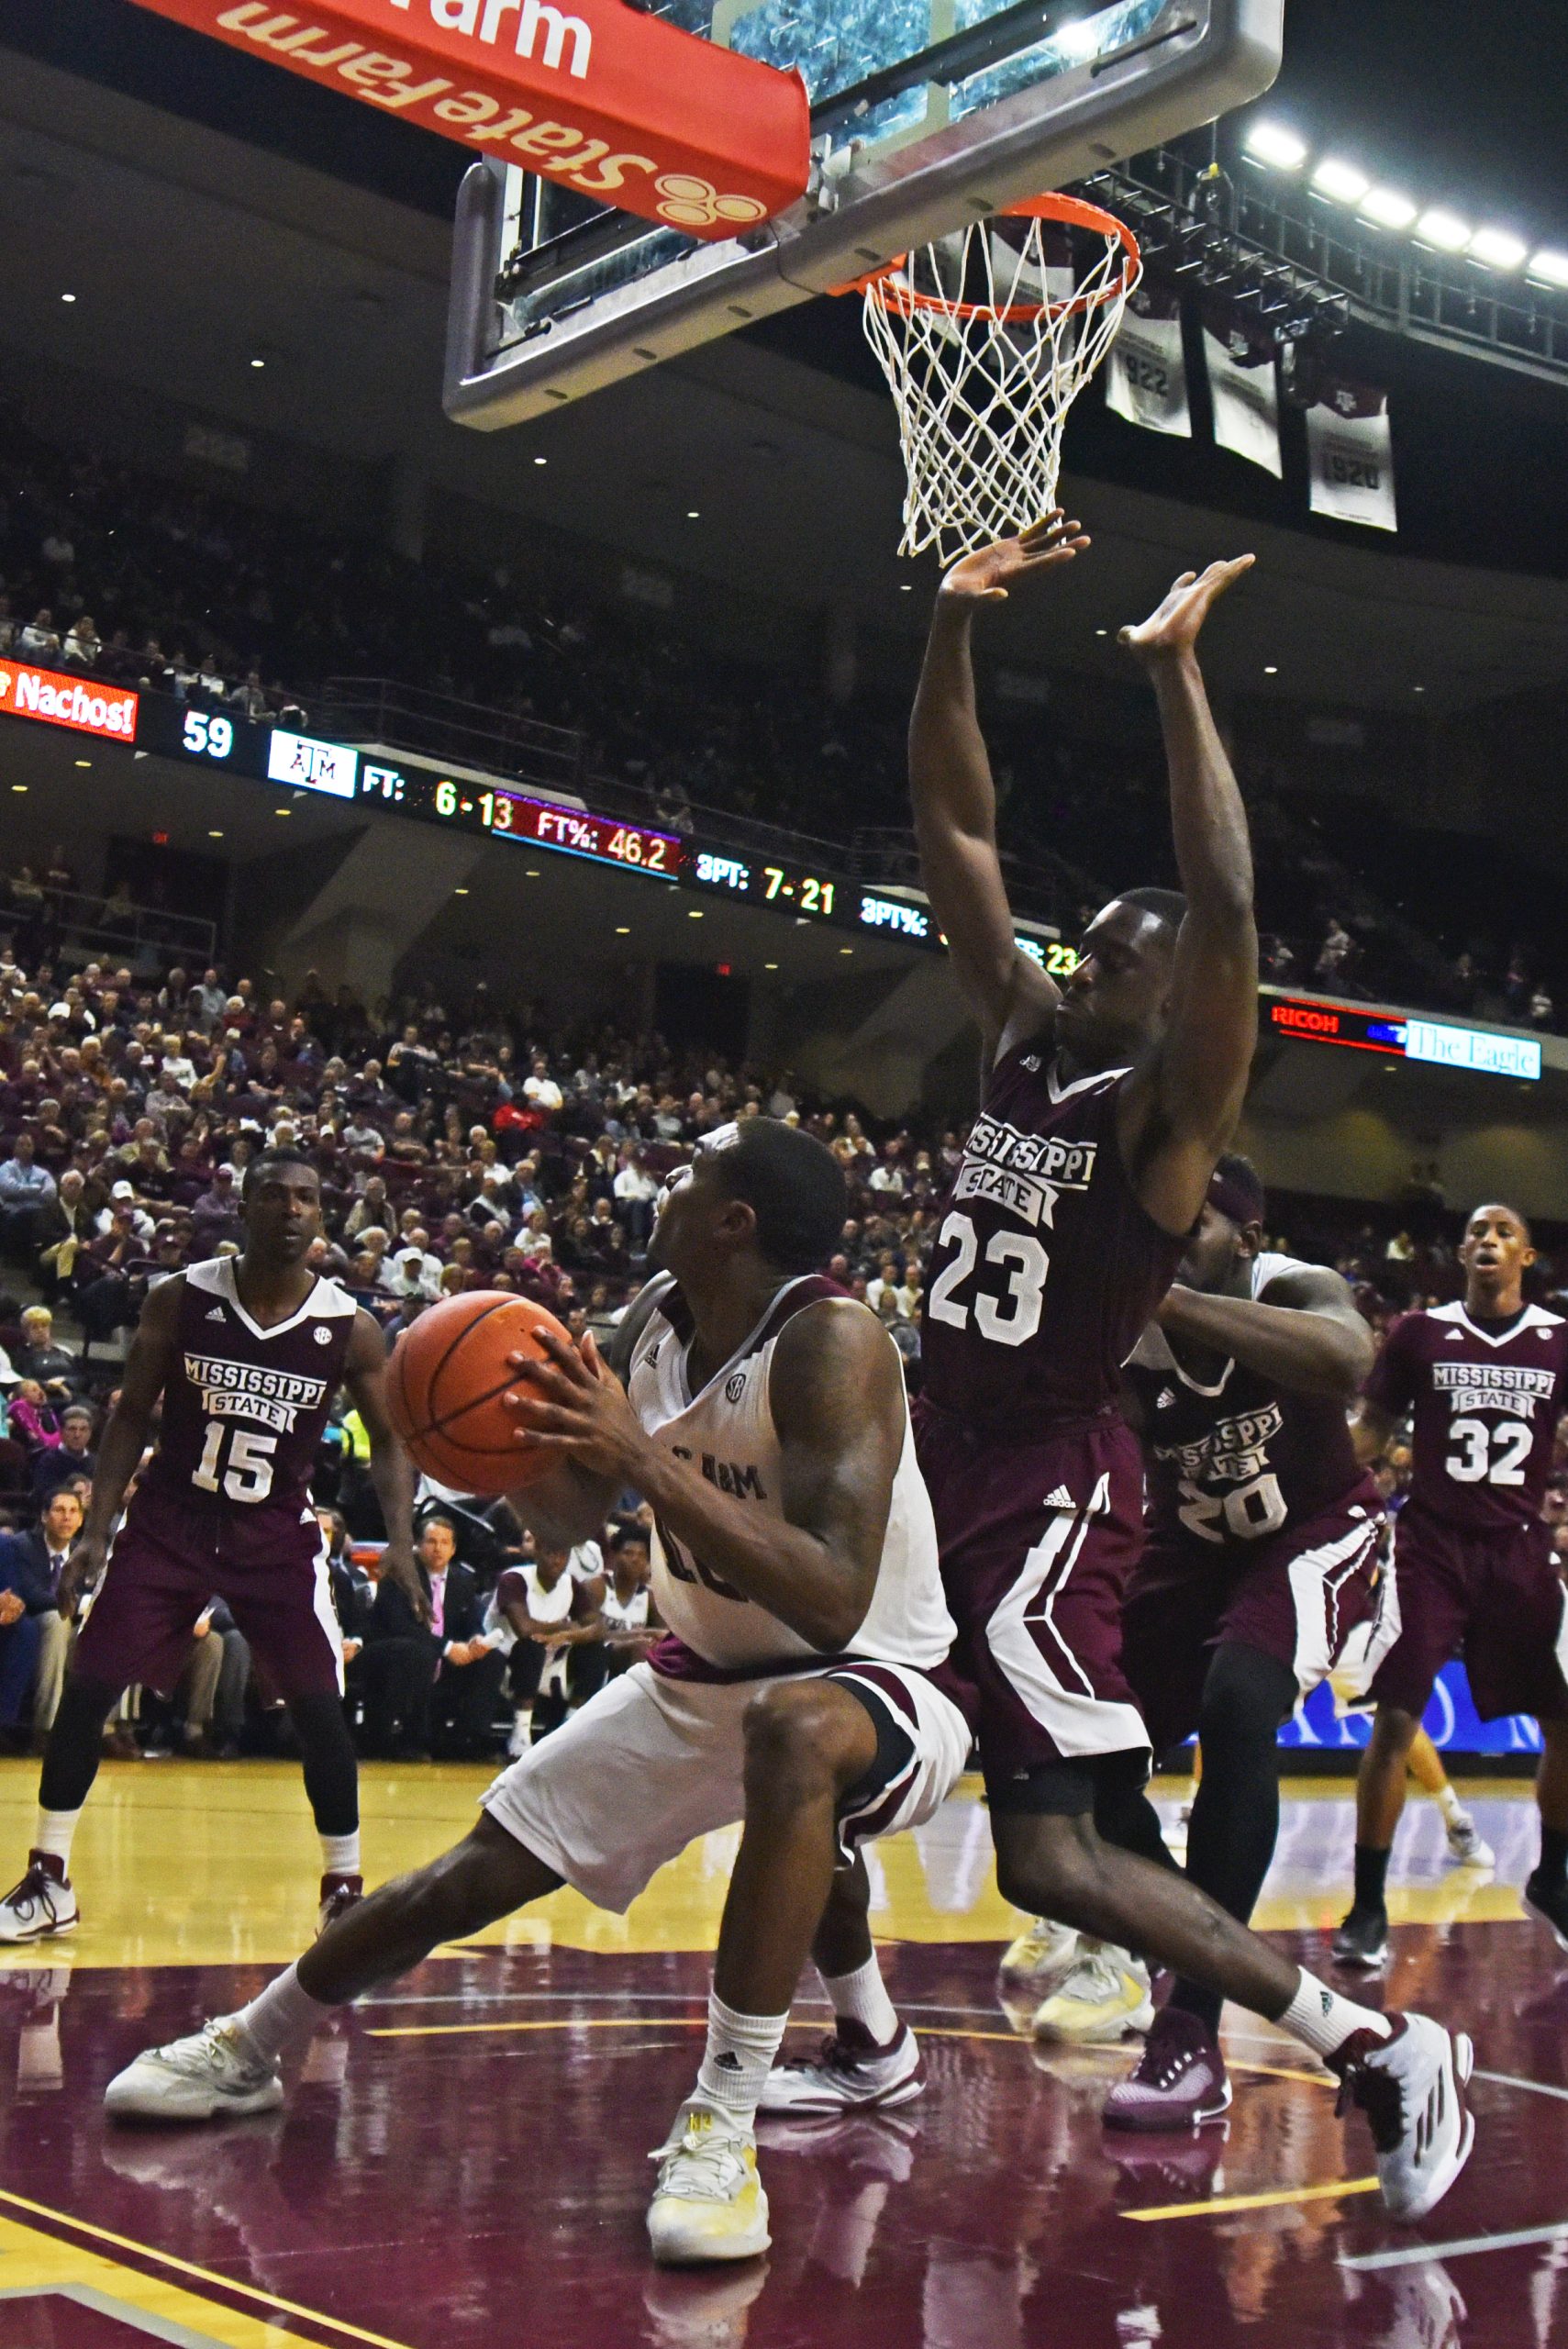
432,1689
34,1636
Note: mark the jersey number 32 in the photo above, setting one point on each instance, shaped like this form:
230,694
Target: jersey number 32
1010,1319
248,1474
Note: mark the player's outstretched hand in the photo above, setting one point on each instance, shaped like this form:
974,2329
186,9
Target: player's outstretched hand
397,1566
573,1405
985,576
1174,628
81,1572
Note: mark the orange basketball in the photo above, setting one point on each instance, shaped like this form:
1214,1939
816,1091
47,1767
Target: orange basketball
444,1384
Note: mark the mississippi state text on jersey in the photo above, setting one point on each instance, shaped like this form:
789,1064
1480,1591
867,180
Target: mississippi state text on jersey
1047,1266
1485,1404
728,1431
244,1407
1234,1460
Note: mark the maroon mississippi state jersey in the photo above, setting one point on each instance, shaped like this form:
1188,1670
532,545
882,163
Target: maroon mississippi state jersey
1046,1266
244,1407
1232,1459
1484,1405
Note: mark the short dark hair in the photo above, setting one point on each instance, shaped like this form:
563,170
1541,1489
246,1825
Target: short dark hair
1519,1217
1236,1189
793,1186
282,1153
1168,905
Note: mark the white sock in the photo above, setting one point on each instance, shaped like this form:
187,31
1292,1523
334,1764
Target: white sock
1322,2021
53,1833
862,1996
739,2057
1453,1809
523,1719
341,1854
283,2018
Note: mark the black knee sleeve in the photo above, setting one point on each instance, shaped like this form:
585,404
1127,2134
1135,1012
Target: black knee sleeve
331,1771
75,1743
1235,1820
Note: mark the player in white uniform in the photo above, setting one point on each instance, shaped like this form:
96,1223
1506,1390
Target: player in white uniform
798,1687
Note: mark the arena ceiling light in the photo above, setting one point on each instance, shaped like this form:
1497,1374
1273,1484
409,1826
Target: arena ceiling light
1386,208
1549,268
1340,183
1444,231
1498,249
1271,143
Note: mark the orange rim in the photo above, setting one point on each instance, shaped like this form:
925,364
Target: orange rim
1070,211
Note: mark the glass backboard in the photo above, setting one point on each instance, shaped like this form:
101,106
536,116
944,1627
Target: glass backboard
925,114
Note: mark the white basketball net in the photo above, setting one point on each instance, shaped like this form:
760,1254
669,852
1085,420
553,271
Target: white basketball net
986,339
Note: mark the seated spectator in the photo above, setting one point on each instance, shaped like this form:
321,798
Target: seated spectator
41,1357
83,646
436,1684
26,1189
65,1227
39,641
212,1689
551,1620
632,1628
31,1564
33,1421
56,1464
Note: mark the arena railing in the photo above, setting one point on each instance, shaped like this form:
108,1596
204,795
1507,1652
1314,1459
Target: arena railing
77,928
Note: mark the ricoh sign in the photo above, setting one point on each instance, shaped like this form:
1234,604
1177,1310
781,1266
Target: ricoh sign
615,103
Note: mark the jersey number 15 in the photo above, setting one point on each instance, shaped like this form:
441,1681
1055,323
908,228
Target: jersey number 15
248,1477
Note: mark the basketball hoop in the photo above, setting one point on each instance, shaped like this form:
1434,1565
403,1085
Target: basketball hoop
986,339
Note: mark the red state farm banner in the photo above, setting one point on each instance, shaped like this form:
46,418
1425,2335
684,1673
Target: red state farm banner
618,105
83,704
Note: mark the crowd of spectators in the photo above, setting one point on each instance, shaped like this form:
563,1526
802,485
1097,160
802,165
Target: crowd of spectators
226,606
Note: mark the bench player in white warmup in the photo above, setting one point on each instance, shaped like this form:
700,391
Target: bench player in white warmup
795,1567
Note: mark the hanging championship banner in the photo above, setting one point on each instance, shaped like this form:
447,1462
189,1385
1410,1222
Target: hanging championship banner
1146,374
1350,447
1246,403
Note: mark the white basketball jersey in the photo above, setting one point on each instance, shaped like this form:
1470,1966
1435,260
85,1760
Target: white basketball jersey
726,1431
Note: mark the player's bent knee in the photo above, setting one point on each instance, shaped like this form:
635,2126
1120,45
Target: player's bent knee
1051,1865
804,1739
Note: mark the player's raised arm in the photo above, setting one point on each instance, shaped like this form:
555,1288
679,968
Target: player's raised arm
1304,1332
1179,1108
837,1396
148,1364
364,1376
955,799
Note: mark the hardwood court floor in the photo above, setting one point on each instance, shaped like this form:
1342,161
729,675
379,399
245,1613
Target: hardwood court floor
464,2161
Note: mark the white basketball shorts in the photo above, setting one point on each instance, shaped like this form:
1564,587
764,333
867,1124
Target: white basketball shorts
650,1762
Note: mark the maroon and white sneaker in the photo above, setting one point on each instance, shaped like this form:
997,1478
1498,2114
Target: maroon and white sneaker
42,1906
849,2073
338,1895
1180,2081
1411,2087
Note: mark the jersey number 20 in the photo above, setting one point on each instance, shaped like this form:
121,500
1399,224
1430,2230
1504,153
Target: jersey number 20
1010,1320
249,1474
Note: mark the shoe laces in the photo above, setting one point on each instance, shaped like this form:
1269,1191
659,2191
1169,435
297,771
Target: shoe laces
700,2165
1376,2088
36,1889
1095,1976
214,2043
1173,2047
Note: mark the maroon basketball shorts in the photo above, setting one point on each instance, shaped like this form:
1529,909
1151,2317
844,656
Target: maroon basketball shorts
171,1557
1494,1598
1037,1536
1305,1596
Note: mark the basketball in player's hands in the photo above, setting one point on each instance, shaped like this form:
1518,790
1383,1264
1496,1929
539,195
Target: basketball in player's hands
445,1386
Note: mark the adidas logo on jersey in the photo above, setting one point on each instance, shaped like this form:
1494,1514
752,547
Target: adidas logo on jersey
216,1315
1060,1498
1164,1400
